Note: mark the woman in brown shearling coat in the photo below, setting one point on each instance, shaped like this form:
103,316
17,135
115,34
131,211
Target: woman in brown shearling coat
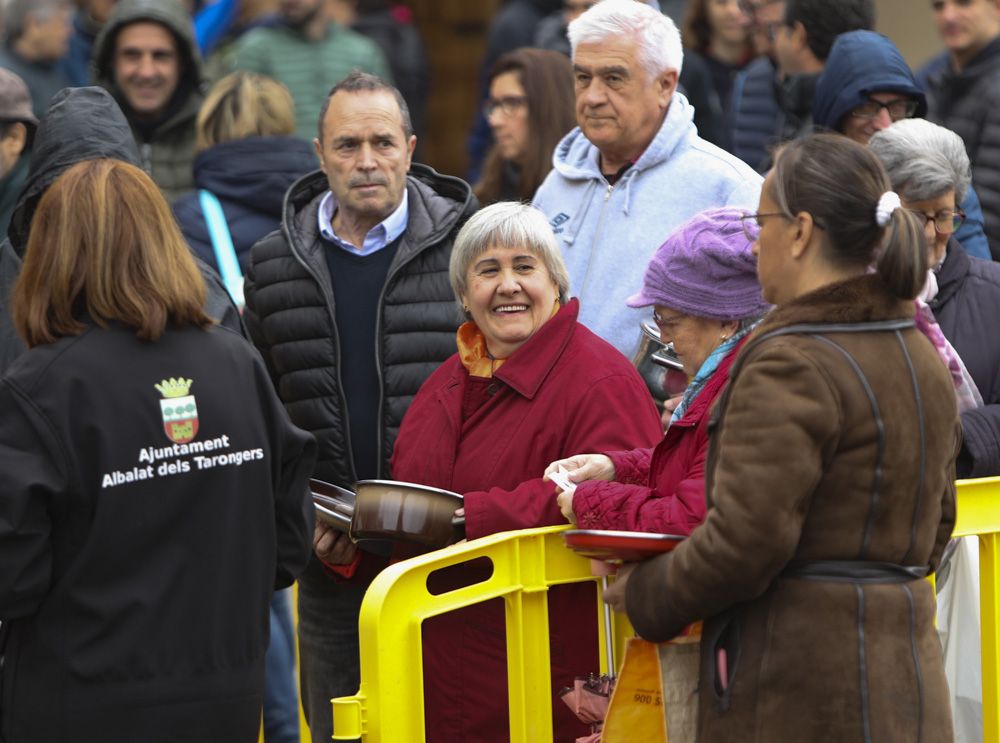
830,482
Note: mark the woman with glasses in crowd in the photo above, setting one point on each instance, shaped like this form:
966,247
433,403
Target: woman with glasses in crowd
830,480
929,168
530,108
865,86
702,285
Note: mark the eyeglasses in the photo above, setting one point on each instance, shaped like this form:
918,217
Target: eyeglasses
752,226
508,105
945,222
898,108
666,322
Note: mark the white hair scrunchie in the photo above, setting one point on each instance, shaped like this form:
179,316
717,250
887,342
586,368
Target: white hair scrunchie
887,204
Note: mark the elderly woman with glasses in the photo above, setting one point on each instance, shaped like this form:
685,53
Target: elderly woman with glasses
702,285
529,384
929,167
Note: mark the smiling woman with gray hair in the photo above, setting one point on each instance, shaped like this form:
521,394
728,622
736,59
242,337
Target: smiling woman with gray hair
528,385
928,167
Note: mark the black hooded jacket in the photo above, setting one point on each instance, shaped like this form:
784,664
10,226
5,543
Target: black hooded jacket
290,314
966,307
81,124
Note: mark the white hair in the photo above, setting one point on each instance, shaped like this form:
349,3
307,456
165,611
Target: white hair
658,38
506,224
923,160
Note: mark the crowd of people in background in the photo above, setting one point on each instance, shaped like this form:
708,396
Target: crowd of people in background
229,201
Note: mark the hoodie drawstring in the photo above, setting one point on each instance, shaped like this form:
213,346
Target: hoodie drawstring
586,201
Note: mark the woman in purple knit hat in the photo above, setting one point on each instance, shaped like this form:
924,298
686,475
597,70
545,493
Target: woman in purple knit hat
702,285
703,288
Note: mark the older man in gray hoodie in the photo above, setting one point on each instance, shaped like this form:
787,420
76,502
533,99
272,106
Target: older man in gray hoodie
635,168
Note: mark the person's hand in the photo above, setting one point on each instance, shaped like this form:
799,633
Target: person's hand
459,513
584,467
669,406
614,594
565,501
333,547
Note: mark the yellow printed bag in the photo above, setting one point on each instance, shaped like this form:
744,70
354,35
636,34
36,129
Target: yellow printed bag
636,711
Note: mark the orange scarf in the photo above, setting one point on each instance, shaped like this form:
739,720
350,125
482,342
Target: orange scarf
472,351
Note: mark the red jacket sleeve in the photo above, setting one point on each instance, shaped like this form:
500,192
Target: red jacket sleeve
619,415
614,505
631,467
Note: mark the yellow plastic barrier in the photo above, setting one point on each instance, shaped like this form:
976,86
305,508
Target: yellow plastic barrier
389,705
979,515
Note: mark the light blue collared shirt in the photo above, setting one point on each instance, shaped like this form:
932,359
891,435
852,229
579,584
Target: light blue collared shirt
378,236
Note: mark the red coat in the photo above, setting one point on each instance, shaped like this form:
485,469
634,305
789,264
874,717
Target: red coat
565,391
658,490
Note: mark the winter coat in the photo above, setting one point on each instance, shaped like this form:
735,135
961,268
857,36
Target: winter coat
755,114
167,147
862,63
140,555
608,233
662,489
830,484
81,124
307,68
698,85
44,79
249,177
968,103
10,189
563,392
966,307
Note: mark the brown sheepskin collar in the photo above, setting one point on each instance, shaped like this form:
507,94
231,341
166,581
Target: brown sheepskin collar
861,299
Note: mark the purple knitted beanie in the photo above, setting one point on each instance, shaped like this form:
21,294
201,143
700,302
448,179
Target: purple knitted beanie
705,269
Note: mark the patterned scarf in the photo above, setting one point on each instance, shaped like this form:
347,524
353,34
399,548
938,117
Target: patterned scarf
707,369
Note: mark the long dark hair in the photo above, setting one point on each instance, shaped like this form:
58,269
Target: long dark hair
840,182
547,79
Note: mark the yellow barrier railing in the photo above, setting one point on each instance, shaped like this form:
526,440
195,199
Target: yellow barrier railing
389,705
979,515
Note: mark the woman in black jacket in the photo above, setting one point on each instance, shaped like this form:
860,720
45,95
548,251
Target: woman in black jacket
152,489
247,158
930,170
